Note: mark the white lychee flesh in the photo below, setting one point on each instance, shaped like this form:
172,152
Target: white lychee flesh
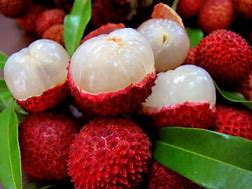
35,69
168,40
108,63
187,83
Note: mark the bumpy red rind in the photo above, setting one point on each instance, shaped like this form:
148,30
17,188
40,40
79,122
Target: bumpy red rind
49,18
14,8
48,100
112,103
216,14
226,56
104,29
233,121
188,114
45,140
109,153
189,8
246,87
164,178
190,59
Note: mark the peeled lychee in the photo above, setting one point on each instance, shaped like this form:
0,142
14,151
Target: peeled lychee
45,140
226,56
163,178
37,75
109,153
168,40
112,74
182,97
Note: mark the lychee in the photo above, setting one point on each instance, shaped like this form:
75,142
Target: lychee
246,86
190,59
27,21
163,178
216,14
244,8
189,8
109,153
55,33
168,40
49,18
45,140
233,121
182,97
14,8
37,75
112,74
226,56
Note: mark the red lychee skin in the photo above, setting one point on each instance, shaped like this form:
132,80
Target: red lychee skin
246,87
55,33
109,153
104,29
14,8
45,140
190,59
112,103
233,121
164,178
189,8
187,114
27,22
226,56
48,100
216,14
49,18
244,8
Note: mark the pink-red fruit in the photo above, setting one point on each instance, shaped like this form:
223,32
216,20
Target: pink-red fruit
189,8
14,8
45,139
109,153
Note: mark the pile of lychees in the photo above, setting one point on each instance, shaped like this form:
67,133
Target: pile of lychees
116,76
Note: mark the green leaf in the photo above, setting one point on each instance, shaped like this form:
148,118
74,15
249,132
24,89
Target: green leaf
234,97
195,36
10,163
75,24
3,59
34,185
210,159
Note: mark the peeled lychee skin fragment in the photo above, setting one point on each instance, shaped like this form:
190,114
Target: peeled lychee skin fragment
226,56
163,178
109,153
45,139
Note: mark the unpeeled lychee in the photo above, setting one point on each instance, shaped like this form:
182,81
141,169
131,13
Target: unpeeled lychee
189,8
244,8
28,21
233,121
14,8
216,14
112,74
55,33
109,153
190,59
37,75
226,56
246,87
45,139
49,18
182,97
162,178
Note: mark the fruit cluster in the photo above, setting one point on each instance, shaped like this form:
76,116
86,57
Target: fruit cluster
115,77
